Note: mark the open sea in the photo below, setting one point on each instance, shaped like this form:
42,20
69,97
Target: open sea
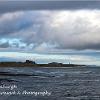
28,83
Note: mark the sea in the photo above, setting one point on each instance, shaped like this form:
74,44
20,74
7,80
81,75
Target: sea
44,83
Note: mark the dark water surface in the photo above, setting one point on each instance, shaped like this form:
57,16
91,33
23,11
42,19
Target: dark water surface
63,83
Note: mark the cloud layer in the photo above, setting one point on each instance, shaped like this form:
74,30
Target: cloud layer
45,30
16,5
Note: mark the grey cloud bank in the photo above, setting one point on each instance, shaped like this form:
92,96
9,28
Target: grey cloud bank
11,6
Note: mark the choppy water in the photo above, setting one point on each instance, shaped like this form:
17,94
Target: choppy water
63,83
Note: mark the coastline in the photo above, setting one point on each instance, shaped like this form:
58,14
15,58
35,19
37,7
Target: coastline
33,64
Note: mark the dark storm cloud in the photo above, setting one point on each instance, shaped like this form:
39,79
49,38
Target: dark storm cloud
8,6
9,27
11,23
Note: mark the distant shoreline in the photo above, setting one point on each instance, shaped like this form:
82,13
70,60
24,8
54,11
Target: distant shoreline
33,64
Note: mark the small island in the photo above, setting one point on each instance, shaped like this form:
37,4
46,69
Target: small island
29,63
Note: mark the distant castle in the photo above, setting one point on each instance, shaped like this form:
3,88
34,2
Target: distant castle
30,62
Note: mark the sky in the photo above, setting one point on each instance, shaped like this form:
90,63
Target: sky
50,31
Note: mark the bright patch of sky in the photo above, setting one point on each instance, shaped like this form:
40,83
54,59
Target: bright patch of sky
47,58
